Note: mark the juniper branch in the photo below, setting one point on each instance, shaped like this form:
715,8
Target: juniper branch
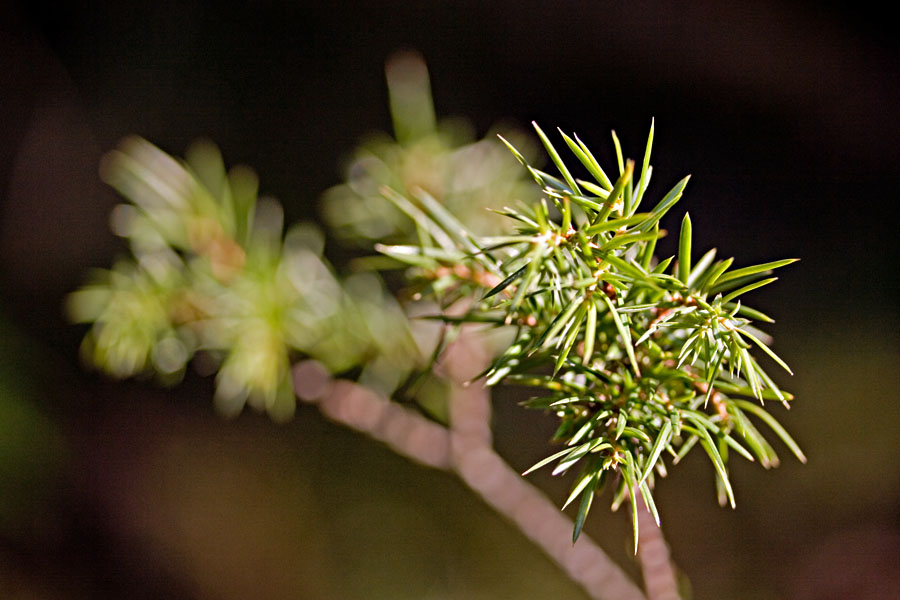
641,358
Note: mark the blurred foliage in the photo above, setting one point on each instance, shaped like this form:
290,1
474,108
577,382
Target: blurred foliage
467,176
209,273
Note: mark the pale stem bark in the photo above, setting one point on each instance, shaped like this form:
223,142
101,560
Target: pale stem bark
660,579
466,449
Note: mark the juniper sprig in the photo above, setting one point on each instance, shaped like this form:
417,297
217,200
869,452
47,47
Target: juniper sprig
641,359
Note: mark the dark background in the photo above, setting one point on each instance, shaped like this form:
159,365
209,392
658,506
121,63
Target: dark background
785,113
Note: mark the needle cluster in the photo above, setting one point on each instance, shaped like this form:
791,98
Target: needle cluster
641,359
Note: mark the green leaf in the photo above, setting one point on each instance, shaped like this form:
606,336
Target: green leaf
721,491
701,420
588,426
772,386
755,269
512,149
747,366
636,433
688,346
538,176
424,255
579,487
466,318
752,313
594,445
662,440
590,333
547,382
554,156
649,249
618,152
774,425
758,444
548,460
574,327
586,159
552,185
513,214
535,258
505,283
710,446
447,221
617,191
766,349
621,423
627,238
664,205
585,506
625,333
731,296
645,170
684,249
633,308
629,472
603,179
599,191
708,280
630,269
648,500
734,388
699,269
568,400
589,203
619,496
508,360
685,447
615,224
558,323
419,217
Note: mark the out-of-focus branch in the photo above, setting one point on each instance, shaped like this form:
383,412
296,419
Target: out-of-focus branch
507,492
466,449
658,571
404,431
